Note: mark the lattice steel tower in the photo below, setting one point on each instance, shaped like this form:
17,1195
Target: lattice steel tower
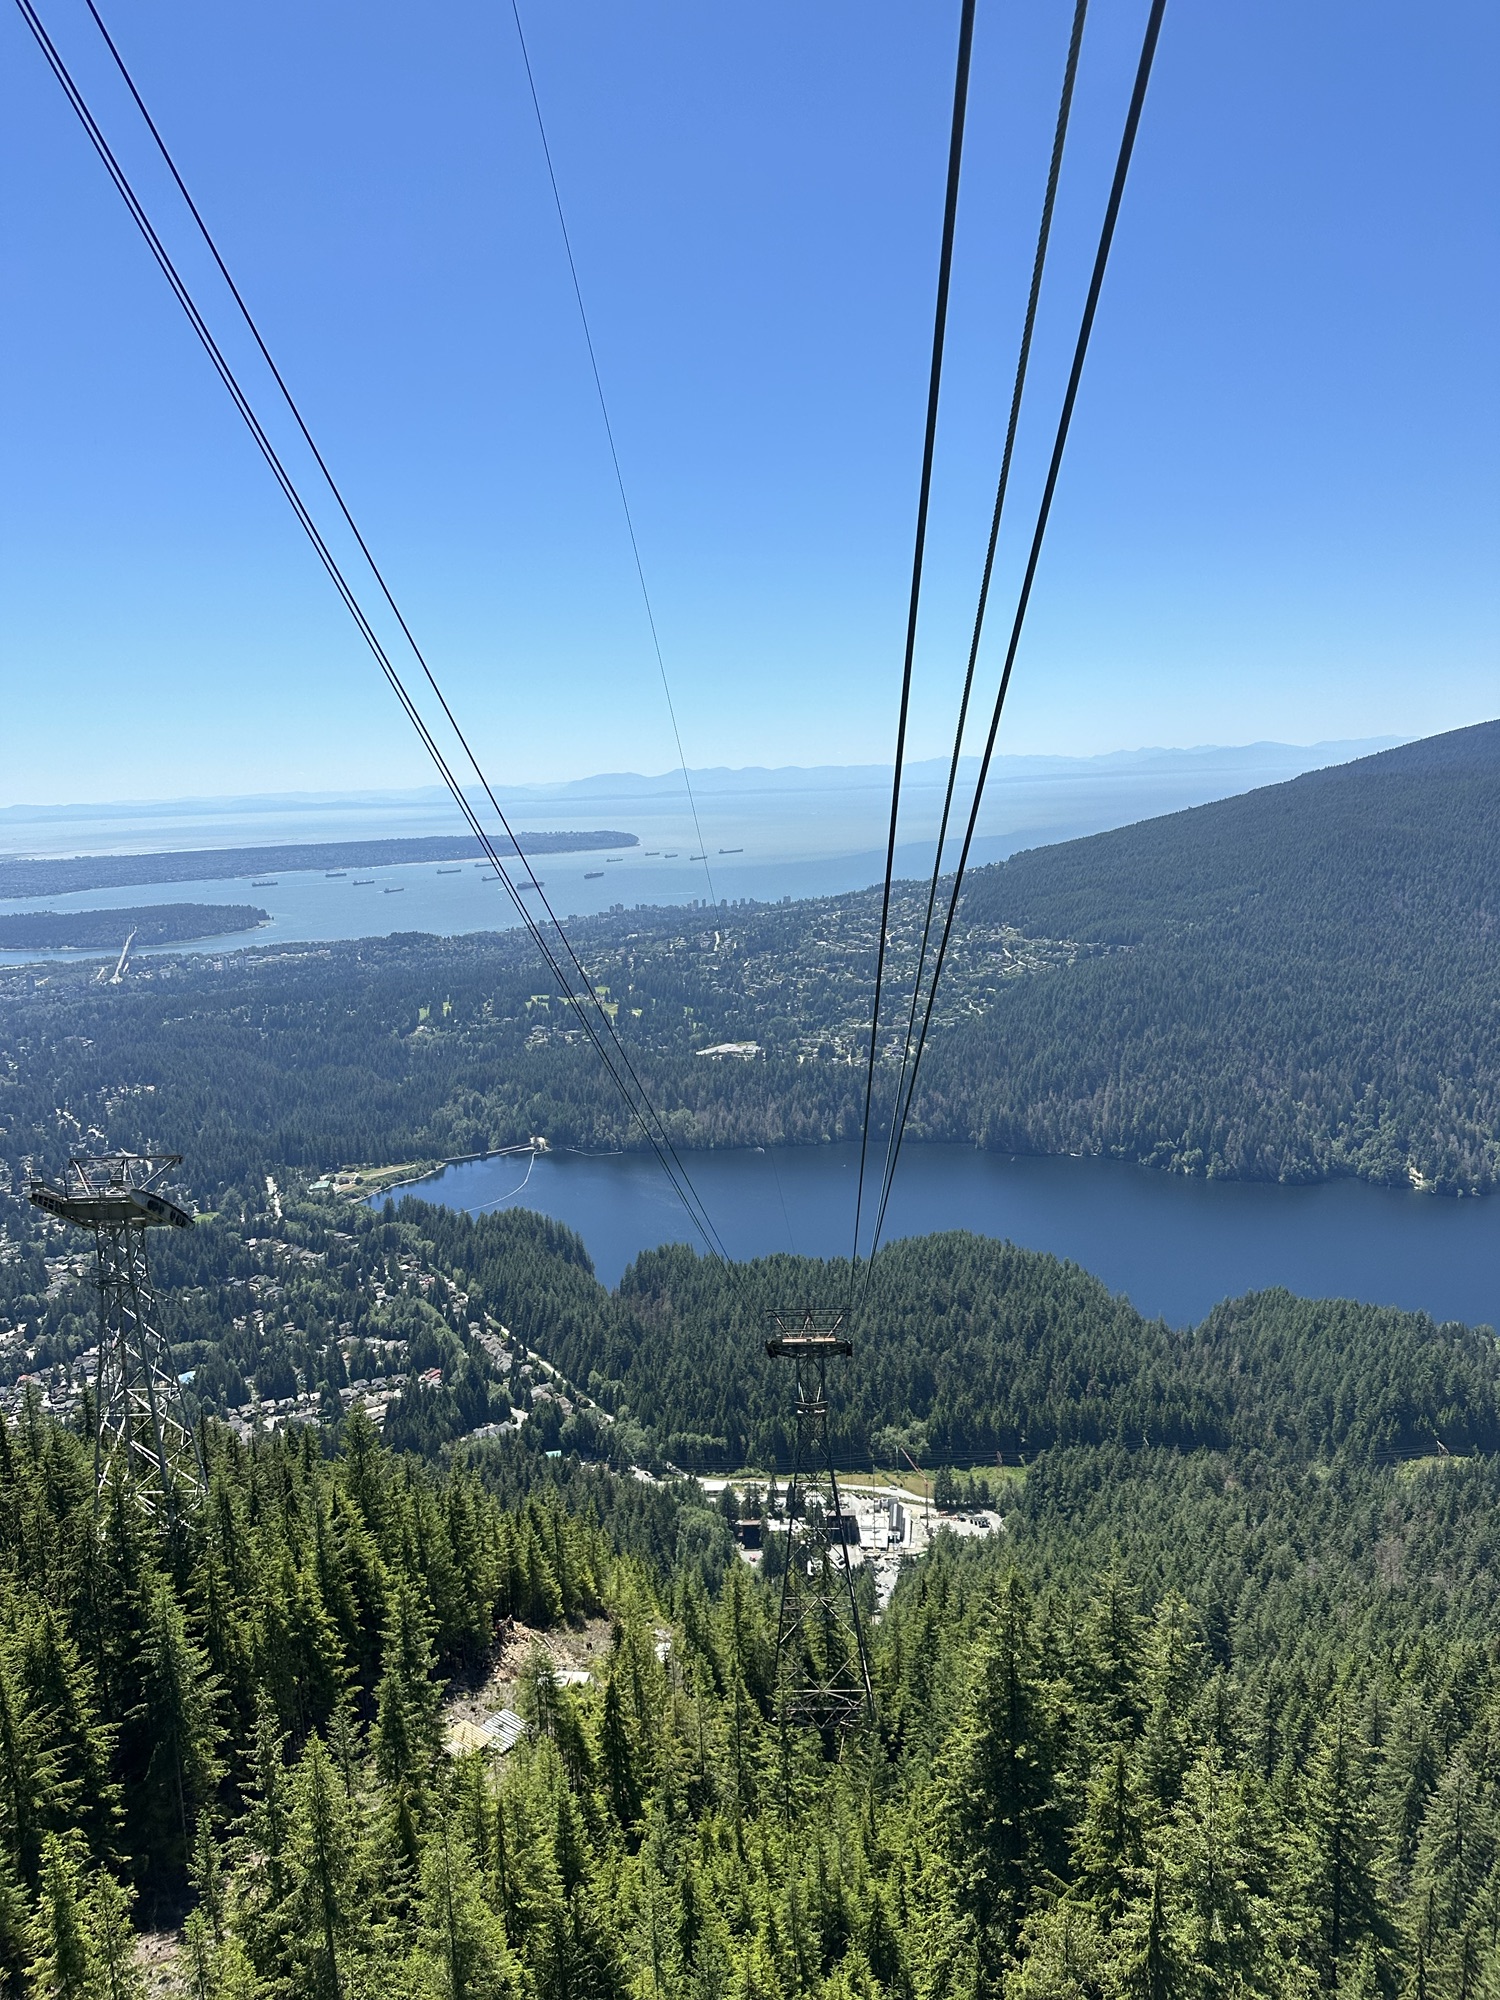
138,1406
822,1667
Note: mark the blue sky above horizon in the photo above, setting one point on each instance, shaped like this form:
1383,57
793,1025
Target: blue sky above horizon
1278,515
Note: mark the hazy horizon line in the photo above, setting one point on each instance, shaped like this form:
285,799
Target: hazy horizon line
1350,746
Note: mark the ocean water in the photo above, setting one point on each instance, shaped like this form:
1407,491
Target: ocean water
765,834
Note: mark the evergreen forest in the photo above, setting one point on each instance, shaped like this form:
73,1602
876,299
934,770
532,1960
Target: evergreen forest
1200,1722
1216,1712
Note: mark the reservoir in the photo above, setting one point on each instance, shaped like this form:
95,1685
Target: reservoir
1174,1246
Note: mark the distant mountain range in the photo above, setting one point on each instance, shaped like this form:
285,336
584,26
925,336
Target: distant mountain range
796,819
1248,759
1249,762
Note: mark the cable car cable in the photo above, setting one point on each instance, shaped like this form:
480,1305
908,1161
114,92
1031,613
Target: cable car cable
1038,265
642,1110
332,484
1075,375
934,389
686,1193
375,568
609,432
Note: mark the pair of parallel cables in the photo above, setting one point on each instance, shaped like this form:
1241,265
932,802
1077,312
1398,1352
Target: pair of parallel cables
572,980
923,1000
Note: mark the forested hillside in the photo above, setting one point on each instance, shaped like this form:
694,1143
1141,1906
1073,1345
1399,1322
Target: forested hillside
1300,982
157,923
1215,1715
1207,1722
968,1347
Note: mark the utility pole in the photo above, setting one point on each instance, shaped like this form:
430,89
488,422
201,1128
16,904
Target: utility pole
926,1492
822,1666
138,1406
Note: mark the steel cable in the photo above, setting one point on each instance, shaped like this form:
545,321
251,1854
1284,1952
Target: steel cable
1044,509
929,443
1038,266
353,526
638,1104
609,432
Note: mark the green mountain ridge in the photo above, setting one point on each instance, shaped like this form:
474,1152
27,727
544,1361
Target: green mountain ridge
1298,982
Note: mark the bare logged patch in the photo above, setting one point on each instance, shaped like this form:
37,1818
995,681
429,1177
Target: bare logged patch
159,1955
579,1650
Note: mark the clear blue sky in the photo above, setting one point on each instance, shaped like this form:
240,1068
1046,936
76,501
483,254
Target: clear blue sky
1279,513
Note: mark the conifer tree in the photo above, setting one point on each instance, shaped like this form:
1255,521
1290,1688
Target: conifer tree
711,1971
201,1956
345,1745
29,1775
996,1792
1152,1959
1457,1852
756,1977
1339,1875
1219,1862
363,1599
881,1944
1115,1654
407,1702
1172,1684
365,1485
64,1965
118,1974
335,1591
1410,1769
1110,1843
80,1744
234,1974
268,1812
538,1692
656,1945
118,1572
1063,1956
180,1700
543,1600
14,1932
617,1758
501,1883
206,1874
299,1652
229,1629
327,1918
463,1953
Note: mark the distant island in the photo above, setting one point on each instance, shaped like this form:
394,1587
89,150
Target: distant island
20,876
158,923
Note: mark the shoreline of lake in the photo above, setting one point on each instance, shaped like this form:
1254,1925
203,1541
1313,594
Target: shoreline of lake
1175,1244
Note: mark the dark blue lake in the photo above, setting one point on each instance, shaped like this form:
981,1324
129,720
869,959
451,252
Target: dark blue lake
1175,1247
